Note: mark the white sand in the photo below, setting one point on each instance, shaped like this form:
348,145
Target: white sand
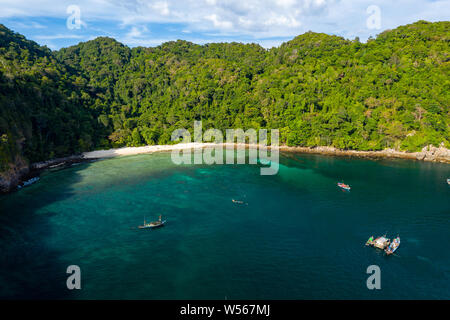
139,150
150,149
430,153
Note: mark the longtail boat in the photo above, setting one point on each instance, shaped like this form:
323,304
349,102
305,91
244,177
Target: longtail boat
153,224
344,186
393,246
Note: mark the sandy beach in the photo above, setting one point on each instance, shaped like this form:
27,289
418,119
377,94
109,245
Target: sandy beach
127,151
428,153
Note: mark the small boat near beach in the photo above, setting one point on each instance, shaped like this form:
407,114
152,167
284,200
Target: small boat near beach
28,182
393,246
448,180
153,224
344,186
56,165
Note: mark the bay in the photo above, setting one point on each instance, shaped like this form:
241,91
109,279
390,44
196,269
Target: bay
295,236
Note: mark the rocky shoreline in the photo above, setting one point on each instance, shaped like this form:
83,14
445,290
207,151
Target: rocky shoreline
22,172
12,177
428,153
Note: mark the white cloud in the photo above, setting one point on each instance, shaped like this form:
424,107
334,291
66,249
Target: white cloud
136,32
218,23
136,42
285,3
281,20
251,19
162,7
138,36
29,25
58,36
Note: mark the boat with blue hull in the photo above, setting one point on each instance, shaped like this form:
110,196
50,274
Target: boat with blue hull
393,246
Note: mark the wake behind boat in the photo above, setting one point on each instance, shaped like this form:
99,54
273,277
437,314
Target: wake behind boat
153,224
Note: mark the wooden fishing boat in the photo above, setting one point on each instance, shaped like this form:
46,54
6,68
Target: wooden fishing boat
153,224
381,242
393,246
344,186
28,182
370,241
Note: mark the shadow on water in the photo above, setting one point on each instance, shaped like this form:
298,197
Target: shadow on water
30,268
33,253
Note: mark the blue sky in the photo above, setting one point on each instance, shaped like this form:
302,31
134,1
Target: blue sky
267,22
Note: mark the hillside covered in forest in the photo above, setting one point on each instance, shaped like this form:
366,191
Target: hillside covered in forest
319,90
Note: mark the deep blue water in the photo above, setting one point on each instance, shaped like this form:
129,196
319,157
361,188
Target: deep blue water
297,236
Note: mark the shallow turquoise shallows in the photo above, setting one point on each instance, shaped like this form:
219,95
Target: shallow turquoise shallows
295,236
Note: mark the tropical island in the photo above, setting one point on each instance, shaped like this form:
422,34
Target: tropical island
327,94
310,202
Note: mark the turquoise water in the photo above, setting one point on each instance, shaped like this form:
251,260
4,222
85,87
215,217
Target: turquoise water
297,235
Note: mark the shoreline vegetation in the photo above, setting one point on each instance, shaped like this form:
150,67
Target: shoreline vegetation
386,94
17,176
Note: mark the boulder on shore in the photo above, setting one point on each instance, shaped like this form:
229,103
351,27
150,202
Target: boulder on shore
11,178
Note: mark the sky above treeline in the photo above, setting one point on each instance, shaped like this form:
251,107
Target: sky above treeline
267,22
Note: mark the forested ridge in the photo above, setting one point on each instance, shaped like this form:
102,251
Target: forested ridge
319,90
